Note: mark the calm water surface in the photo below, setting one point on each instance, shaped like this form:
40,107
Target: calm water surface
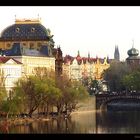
86,122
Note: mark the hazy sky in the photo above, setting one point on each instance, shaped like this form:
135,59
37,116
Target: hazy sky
91,29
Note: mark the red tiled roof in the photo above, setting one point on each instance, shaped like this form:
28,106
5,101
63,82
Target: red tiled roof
79,59
4,59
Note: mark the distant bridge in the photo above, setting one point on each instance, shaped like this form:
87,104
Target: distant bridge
103,99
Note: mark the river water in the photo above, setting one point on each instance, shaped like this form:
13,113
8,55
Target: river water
86,122
90,122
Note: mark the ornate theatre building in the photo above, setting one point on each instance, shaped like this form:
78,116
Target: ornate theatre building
23,46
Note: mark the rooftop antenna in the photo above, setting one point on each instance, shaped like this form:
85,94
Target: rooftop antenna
133,43
88,55
38,16
15,17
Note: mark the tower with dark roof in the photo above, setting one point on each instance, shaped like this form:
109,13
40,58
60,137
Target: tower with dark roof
116,53
133,58
58,62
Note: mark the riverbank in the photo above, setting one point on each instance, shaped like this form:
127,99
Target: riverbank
21,121
83,107
55,125
27,120
88,111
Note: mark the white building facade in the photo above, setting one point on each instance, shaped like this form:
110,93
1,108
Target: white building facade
10,72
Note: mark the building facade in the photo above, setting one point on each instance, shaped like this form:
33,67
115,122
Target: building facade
29,43
78,68
10,72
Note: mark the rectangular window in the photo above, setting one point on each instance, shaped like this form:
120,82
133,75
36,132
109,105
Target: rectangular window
31,45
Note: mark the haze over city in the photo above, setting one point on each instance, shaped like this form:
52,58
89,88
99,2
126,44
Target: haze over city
44,90
88,29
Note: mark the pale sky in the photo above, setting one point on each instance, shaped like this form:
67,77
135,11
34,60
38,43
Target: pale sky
94,29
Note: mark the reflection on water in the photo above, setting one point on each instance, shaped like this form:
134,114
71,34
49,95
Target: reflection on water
78,123
85,122
53,126
118,122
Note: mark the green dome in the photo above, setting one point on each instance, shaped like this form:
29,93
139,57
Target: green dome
133,52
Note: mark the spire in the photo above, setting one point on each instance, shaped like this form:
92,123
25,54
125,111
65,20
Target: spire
133,43
96,56
38,16
116,53
88,55
117,49
15,17
78,53
107,59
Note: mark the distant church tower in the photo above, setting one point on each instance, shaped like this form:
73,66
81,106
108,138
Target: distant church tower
116,53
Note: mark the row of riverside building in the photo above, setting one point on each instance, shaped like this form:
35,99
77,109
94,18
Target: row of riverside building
27,44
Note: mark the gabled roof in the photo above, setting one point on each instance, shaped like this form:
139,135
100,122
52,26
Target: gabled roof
84,60
4,59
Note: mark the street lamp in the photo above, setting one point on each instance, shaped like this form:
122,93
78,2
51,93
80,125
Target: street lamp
5,79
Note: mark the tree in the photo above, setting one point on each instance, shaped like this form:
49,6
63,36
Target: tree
3,94
12,107
72,93
95,85
38,90
114,74
44,91
132,81
34,91
53,93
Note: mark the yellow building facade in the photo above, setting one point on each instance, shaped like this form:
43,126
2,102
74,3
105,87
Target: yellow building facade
100,67
78,68
28,42
32,62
